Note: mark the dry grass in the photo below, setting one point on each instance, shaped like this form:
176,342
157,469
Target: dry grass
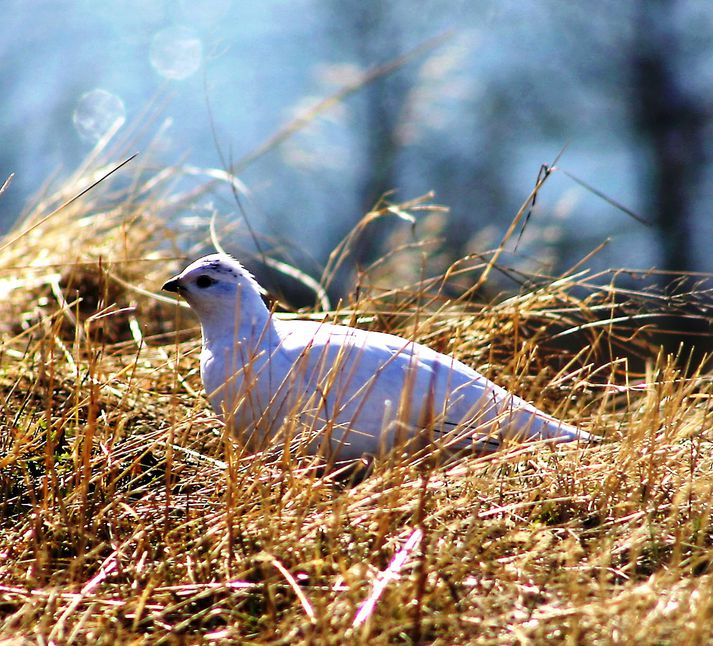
128,516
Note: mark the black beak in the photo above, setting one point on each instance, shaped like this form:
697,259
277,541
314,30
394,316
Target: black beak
171,286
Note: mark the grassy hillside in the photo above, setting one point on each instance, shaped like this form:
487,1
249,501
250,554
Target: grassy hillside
127,514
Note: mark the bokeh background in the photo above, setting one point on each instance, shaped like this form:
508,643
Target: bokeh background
626,87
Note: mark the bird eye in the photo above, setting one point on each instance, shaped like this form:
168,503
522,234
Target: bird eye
204,281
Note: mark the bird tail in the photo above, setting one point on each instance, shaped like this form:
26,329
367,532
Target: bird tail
531,423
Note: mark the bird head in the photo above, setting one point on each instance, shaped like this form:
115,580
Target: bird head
218,287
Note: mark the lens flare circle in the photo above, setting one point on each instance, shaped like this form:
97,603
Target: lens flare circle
97,112
176,53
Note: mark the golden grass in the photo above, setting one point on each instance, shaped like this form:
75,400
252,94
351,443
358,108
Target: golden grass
128,515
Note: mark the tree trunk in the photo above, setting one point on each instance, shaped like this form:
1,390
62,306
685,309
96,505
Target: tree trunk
671,123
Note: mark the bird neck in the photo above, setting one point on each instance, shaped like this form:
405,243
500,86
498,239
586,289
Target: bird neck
247,322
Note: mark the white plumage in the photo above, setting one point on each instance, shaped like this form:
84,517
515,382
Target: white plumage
351,392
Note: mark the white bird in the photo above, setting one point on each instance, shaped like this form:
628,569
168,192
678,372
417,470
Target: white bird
350,392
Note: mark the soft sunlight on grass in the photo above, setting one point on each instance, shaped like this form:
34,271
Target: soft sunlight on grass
127,514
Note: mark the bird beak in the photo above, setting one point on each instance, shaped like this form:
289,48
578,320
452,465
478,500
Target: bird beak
171,286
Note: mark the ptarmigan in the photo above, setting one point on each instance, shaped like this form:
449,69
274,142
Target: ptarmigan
350,393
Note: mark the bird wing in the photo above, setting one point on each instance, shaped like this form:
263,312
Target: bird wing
370,380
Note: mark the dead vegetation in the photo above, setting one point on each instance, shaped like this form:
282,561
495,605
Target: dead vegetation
127,515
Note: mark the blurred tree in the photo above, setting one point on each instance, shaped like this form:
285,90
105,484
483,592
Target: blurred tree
368,33
672,122
398,120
